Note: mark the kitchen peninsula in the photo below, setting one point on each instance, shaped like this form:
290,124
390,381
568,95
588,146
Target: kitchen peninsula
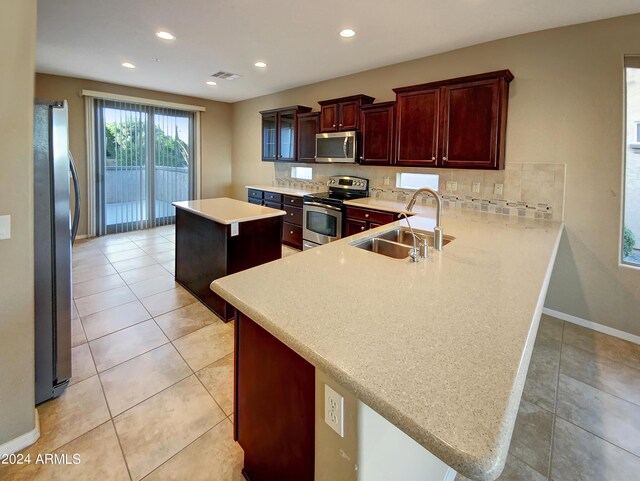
430,357
217,237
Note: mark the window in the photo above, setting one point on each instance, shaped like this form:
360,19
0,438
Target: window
305,173
630,236
405,180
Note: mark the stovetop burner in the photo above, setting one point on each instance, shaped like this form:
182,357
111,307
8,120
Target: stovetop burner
341,188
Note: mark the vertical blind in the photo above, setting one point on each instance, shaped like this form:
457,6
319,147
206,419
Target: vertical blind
144,162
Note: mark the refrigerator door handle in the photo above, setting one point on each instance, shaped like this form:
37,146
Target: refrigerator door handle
76,194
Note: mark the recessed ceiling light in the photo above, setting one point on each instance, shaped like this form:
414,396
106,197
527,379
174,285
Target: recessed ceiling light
165,35
260,64
347,33
211,82
128,65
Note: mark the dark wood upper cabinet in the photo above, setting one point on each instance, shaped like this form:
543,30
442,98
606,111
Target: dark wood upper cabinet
376,133
472,130
279,133
457,123
342,114
417,127
308,125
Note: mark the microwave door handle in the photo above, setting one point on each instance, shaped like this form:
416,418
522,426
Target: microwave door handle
344,146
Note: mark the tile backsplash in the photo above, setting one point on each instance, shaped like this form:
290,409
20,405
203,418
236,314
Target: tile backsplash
533,190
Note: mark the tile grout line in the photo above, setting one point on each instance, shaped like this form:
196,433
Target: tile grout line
555,404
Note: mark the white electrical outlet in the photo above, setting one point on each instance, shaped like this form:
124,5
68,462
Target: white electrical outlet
452,185
5,227
497,189
235,229
386,180
475,187
333,410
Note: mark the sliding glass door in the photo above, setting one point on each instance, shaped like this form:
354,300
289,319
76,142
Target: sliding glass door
144,163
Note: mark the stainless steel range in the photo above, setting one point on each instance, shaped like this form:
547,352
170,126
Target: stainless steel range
323,212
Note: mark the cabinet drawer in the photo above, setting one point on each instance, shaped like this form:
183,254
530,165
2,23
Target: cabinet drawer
273,205
273,197
374,216
354,226
254,194
254,201
292,234
294,214
292,200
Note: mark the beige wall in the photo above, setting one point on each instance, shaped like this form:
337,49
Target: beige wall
215,130
17,57
565,106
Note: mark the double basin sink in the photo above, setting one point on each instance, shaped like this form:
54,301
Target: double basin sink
397,243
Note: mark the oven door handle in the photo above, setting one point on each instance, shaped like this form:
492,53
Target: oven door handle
324,206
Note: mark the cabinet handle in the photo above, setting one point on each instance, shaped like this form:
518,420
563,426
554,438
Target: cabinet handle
444,158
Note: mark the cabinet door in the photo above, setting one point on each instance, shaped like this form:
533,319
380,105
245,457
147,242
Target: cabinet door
307,130
470,125
376,133
348,116
329,118
354,226
269,136
286,136
417,128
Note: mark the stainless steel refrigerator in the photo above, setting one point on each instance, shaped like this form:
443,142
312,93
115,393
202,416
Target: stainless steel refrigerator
54,232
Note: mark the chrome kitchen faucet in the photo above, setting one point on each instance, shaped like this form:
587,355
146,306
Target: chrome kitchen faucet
437,231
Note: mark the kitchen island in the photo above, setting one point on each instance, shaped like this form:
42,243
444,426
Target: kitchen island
438,350
217,237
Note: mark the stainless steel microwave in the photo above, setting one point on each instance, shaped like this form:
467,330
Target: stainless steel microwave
338,147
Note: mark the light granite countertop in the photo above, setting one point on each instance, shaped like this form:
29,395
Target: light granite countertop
282,190
440,348
228,211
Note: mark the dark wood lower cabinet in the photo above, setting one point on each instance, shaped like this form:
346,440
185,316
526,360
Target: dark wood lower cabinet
206,251
292,225
274,415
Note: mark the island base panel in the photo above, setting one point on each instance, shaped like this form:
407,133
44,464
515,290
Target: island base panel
206,251
274,406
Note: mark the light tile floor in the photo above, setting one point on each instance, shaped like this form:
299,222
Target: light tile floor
151,394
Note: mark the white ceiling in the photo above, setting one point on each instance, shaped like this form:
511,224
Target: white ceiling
297,38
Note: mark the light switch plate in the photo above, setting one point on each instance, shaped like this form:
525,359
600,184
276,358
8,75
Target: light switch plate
334,410
475,187
5,227
387,180
497,189
452,185
235,229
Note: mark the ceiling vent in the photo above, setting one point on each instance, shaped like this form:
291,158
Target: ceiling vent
225,75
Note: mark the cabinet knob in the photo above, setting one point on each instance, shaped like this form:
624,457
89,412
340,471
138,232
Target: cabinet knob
292,214
444,158
290,232
339,125
333,125
362,157
292,201
362,228
433,158
366,215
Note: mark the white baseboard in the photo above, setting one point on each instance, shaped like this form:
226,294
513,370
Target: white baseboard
82,236
593,325
21,442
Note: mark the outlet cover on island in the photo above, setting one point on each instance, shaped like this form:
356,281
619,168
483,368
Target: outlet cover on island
5,227
387,180
475,187
333,410
497,189
452,185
